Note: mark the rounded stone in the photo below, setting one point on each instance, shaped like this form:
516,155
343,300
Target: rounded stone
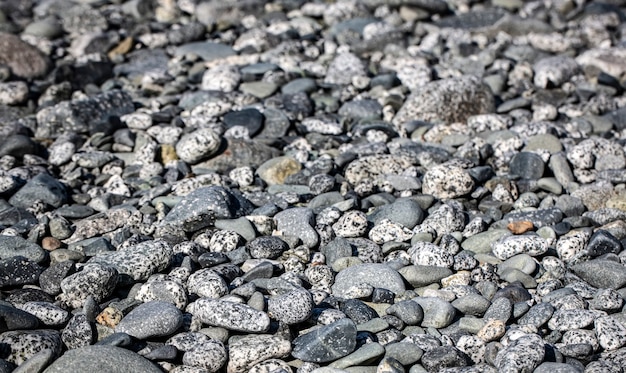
151,319
373,274
104,359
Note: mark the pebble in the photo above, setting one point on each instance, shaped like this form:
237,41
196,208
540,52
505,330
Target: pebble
24,60
292,307
447,181
510,246
103,358
247,351
298,222
138,261
151,319
48,313
368,352
601,273
195,146
437,312
441,175
610,332
229,315
374,274
326,343
23,344
433,102
211,355
523,354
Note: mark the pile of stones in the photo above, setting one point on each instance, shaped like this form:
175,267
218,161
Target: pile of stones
281,186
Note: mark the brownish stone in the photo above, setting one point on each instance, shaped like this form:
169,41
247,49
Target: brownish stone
519,227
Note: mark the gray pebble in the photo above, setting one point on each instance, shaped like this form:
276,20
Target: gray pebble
151,319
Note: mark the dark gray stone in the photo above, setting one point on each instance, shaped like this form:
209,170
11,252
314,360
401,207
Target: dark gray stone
42,187
18,270
201,207
326,343
527,165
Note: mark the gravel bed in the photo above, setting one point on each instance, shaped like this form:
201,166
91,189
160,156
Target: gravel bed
363,186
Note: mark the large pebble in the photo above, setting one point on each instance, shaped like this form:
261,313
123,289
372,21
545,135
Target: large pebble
229,315
298,222
23,344
522,355
601,273
247,351
373,274
151,319
292,307
199,208
138,261
94,280
439,101
195,146
24,60
510,246
42,187
447,181
211,355
326,343
437,312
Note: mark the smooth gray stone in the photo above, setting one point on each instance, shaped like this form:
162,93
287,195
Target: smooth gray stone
406,353
151,319
403,211
102,359
480,243
437,312
419,276
602,273
364,354
42,187
11,246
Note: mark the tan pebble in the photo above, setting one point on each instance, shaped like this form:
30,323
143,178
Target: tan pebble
50,243
122,48
109,317
168,154
519,227
493,330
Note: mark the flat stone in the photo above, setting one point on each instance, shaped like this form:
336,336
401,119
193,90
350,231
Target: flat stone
105,359
364,354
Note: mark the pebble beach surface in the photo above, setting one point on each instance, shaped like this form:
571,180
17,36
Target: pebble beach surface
285,186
